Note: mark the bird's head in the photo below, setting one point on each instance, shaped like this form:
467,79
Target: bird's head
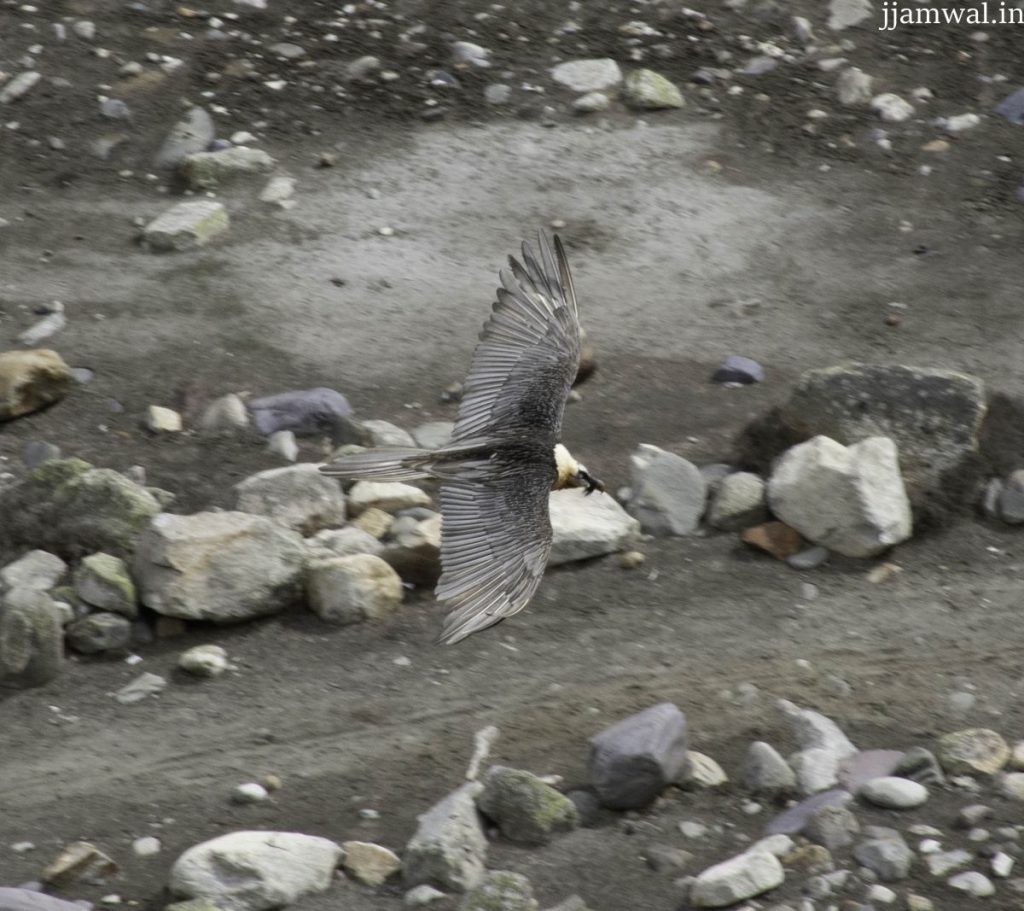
574,474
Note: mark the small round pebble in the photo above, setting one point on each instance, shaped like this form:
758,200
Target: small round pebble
894,793
422,896
250,792
631,559
204,660
146,846
883,895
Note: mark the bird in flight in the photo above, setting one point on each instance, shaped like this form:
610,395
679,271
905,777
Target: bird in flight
504,456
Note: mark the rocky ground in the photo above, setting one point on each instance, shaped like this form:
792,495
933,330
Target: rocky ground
791,185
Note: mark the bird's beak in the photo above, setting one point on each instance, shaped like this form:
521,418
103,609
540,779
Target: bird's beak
585,479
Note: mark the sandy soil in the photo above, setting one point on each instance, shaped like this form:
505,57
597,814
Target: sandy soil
678,262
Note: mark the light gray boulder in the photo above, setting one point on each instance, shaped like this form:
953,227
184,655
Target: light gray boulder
255,871
449,847
850,499
732,881
297,496
669,493
38,570
218,566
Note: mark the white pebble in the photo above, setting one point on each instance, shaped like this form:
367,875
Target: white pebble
204,660
1002,865
250,792
881,894
894,793
146,846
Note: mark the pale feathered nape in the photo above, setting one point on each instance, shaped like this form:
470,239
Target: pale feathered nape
567,466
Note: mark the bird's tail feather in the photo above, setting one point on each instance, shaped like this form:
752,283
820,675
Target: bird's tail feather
400,464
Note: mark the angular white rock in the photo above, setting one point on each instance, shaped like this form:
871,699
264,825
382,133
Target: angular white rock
736,879
588,75
449,846
850,499
189,224
588,526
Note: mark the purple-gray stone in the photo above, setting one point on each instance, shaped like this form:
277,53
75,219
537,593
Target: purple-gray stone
1012,107
302,411
635,759
795,819
867,765
738,369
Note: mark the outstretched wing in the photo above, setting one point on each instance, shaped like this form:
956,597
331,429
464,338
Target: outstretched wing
529,349
495,541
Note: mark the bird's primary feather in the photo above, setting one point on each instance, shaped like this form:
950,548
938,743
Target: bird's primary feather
496,535
499,468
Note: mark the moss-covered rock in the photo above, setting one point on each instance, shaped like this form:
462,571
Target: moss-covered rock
103,581
67,506
31,638
651,91
501,891
525,809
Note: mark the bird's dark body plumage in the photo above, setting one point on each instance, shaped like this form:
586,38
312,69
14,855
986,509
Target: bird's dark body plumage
499,468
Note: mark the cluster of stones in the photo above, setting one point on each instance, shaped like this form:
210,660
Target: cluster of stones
293,535
642,772
877,441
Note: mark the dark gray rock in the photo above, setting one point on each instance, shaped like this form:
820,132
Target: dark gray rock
588,806
634,760
99,632
738,369
37,452
1012,107
305,411
919,764
932,415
